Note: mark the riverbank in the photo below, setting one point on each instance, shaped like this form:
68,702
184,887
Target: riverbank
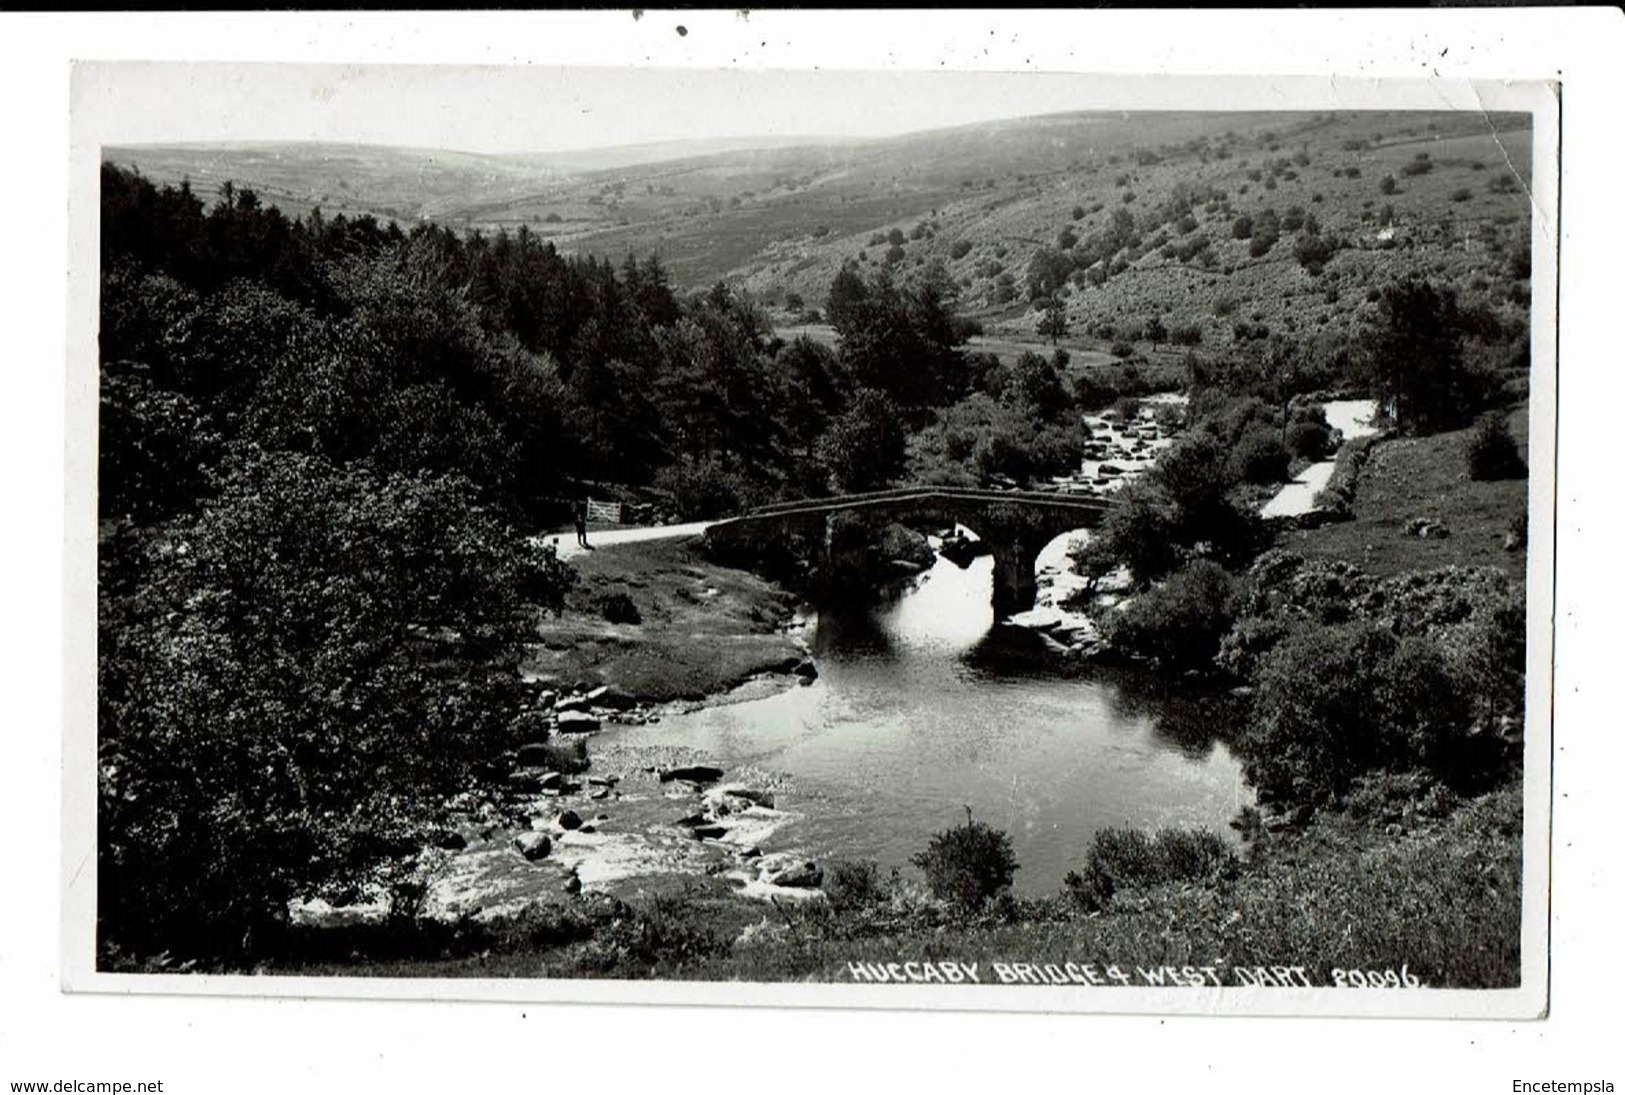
1434,898
661,622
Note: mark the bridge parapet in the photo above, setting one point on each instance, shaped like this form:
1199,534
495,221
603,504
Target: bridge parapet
1015,524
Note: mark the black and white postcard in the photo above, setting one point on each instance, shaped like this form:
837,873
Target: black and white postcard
979,540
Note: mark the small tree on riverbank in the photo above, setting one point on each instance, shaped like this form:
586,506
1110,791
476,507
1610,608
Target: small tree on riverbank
969,864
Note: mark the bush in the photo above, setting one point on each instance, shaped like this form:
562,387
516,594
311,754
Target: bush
1388,185
1181,621
1313,251
853,884
1186,334
1260,457
1335,702
1492,452
618,608
960,249
969,864
1308,440
1133,857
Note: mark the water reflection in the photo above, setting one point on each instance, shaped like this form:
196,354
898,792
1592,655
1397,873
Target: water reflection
924,706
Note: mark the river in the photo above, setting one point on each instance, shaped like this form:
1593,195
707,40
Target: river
923,707
1353,417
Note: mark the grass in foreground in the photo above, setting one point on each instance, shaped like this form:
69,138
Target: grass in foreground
1441,899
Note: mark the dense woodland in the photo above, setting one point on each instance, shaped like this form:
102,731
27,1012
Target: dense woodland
325,442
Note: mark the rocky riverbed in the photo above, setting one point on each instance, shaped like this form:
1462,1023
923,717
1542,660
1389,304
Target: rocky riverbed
563,817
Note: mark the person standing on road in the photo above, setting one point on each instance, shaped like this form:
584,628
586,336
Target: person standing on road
581,523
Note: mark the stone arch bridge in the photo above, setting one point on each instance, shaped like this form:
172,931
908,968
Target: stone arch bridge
1016,525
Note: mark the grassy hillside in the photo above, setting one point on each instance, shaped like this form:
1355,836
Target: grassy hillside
981,199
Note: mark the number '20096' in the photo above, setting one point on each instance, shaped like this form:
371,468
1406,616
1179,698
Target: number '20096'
1401,978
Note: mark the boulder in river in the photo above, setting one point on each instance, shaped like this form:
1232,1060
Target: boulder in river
806,669
571,703
533,846
577,722
693,773
568,819
797,874
608,695
709,832
526,781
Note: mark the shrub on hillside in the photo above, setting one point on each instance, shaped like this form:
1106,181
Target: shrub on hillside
853,884
1421,165
1181,621
968,865
1492,452
1309,440
1336,702
1260,457
618,608
1313,252
960,249
1186,334
1133,857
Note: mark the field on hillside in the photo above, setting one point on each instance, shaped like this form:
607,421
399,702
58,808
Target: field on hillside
1151,201
1425,478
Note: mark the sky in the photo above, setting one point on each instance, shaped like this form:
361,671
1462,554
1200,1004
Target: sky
530,109
491,109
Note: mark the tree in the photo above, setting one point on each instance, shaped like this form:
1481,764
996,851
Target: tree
846,293
1181,621
1139,533
1052,324
1156,331
865,446
1492,452
298,676
1411,355
1047,271
1035,387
